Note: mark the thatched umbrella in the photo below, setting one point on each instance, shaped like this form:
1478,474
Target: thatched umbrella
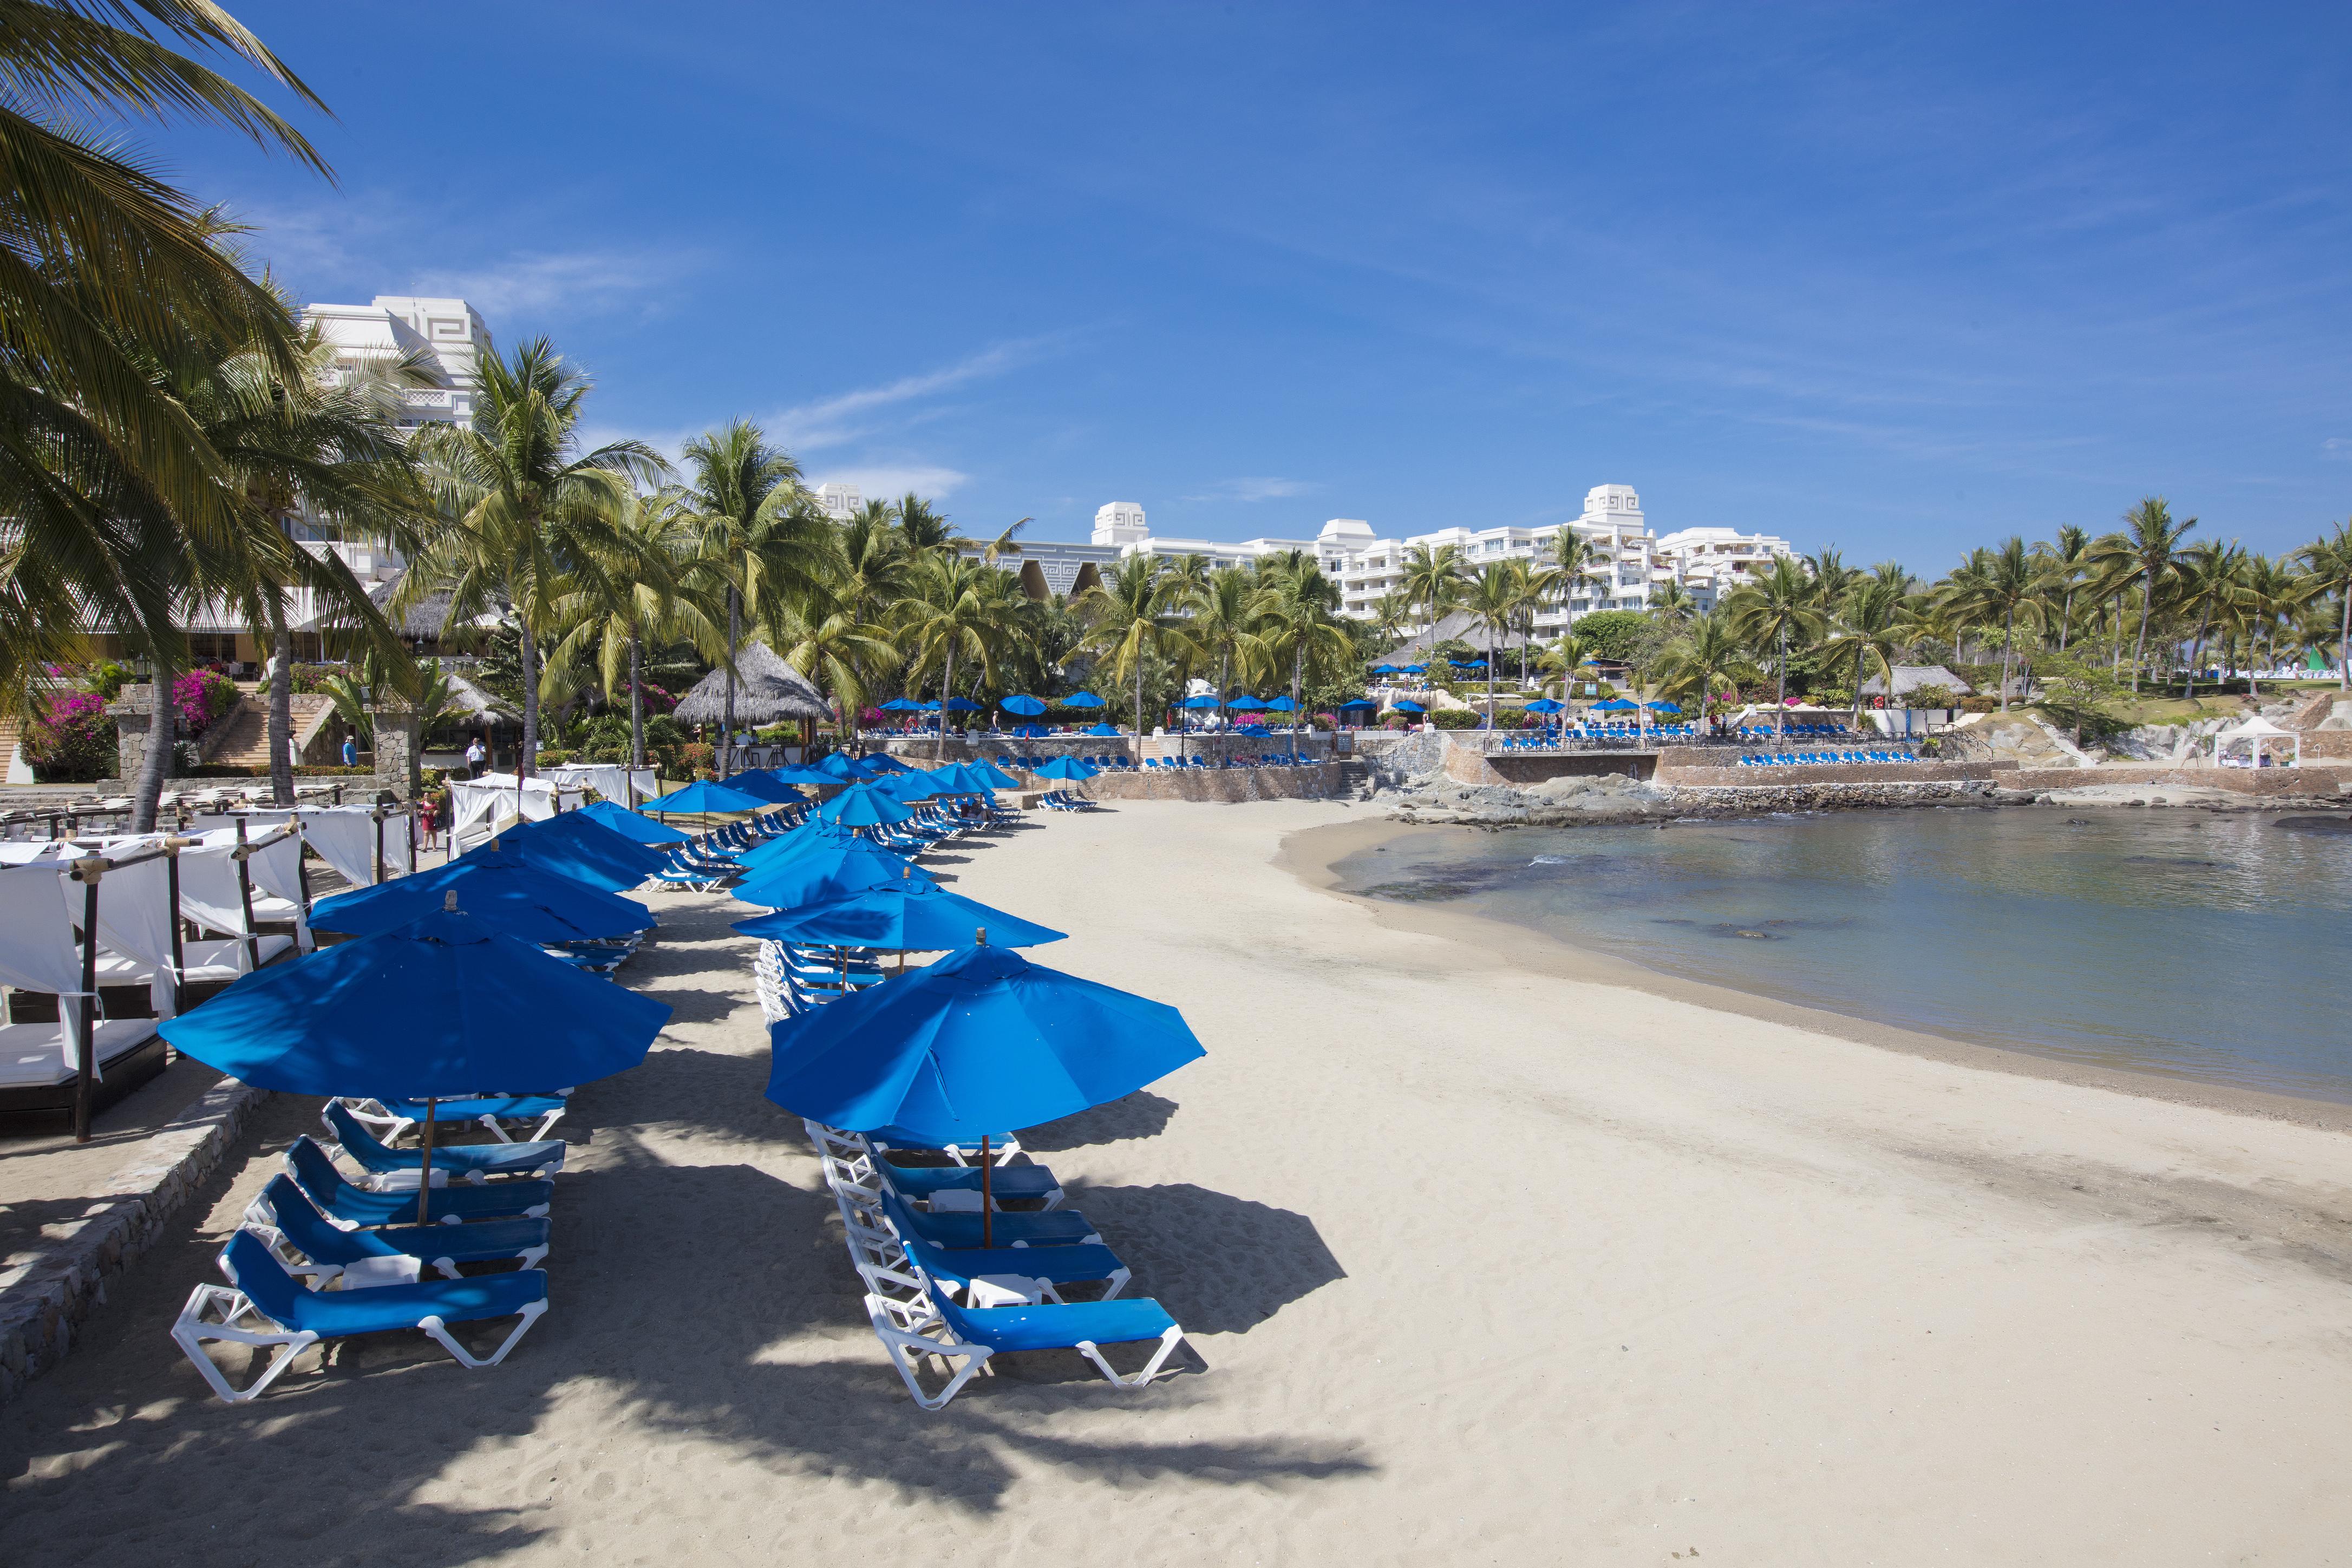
767,691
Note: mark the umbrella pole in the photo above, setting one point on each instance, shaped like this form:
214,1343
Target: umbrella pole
987,1201
424,1175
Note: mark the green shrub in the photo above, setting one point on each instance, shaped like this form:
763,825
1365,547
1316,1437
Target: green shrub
1457,719
554,758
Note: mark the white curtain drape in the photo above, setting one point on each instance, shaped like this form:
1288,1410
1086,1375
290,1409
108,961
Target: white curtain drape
38,952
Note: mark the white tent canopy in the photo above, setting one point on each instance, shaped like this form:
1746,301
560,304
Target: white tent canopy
2257,743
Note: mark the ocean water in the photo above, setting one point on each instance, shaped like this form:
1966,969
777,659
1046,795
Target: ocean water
2213,947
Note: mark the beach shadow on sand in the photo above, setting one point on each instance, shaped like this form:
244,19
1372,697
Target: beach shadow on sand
1143,1114
1221,1265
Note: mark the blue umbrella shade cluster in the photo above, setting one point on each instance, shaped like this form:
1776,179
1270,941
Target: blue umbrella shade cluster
902,916
825,871
577,846
864,806
632,825
504,894
706,799
441,1007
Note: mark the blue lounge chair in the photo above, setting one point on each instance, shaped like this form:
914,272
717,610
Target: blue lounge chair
349,1204
974,1334
1057,1227
292,1223
391,1119
473,1162
1016,1184
266,1307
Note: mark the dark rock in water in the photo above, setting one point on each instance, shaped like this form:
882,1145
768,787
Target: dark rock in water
2341,824
2078,822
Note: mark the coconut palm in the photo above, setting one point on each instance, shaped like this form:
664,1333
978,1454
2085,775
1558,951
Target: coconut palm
1004,544
1227,616
2212,576
922,528
1564,658
2265,598
1303,629
1873,626
2069,558
1708,658
2149,551
524,513
645,589
1672,604
843,655
1832,578
951,614
2004,584
1431,579
762,532
1492,597
2327,566
1570,561
1129,622
1392,612
1776,606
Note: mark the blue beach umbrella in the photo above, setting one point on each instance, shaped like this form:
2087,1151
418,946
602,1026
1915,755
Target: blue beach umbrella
984,772
1358,703
1615,705
1415,669
808,836
828,871
863,806
1281,705
980,1042
964,705
1203,700
577,846
907,787
883,763
1384,669
630,824
1064,768
767,786
1544,705
792,774
900,705
506,894
1082,699
840,767
907,916
706,800
1245,703
441,1007
1407,708
1103,730
1027,707
1665,706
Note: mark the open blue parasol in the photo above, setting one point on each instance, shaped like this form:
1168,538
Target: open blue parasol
1103,730
906,916
1082,699
863,806
1245,703
1407,708
1203,700
634,824
1064,768
1544,705
1027,707
706,799
979,1042
506,894
574,845
840,767
826,871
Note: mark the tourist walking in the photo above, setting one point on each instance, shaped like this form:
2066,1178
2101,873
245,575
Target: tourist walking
474,758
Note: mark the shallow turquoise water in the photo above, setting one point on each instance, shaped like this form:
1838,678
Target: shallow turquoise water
2213,947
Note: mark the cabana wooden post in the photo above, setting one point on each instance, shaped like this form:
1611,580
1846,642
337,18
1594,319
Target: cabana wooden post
86,871
244,852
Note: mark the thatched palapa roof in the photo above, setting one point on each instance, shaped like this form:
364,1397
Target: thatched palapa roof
767,689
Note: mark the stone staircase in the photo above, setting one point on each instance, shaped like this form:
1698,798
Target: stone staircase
241,740
1356,781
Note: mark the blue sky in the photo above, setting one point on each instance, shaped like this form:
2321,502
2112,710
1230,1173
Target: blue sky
1896,278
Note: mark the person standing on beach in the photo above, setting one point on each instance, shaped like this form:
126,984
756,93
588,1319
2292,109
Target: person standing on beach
350,749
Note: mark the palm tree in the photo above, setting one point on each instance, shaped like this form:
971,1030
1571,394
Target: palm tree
1228,614
105,479
841,655
1708,658
2327,565
1129,622
2212,575
1004,544
1672,604
1873,626
2150,550
1832,576
1431,579
1770,609
2004,584
2069,556
644,588
769,543
923,529
1303,628
2266,596
1570,561
521,513
1493,599
1392,612
951,614
1564,658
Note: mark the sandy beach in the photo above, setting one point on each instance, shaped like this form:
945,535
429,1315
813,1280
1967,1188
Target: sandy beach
1484,1260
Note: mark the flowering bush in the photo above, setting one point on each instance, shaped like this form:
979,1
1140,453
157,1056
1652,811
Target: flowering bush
200,697
659,700
73,740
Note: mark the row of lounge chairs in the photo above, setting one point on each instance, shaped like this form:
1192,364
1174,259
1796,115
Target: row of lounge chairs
322,1255
1801,759
934,1292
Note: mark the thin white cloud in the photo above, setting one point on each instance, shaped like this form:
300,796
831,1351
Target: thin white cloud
1255,488
2338,447
834,421
572,282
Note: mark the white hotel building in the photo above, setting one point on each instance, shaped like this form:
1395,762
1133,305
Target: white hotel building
1631,561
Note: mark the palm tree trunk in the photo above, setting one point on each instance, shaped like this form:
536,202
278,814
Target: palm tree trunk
1780,694
2139,648
946,690
636,705
1139,705
530,750
734,637
2066,622
2008,640
1490,678
2344,642
1298,693
280,728
2197,651
156,762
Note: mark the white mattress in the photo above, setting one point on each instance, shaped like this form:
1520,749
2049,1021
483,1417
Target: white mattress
32,1056
217,958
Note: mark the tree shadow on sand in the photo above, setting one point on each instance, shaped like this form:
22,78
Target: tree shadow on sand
1143,1114
1221,1265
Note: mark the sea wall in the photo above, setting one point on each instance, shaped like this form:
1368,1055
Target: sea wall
920,750
2260,784
1319,780
1874,774
1818,795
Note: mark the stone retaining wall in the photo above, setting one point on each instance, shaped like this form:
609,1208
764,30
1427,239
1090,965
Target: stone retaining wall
44,1300
2263,784
1318,780
1817,795
1871,773
1216,748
